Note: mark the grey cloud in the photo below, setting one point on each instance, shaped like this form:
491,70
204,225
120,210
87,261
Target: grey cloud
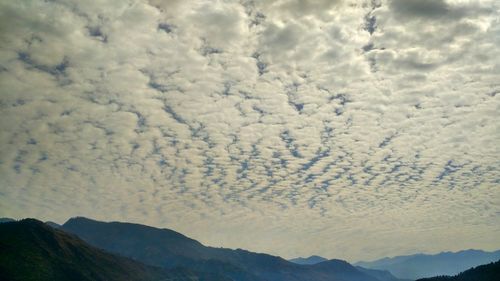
420,8
281,39
307,7
438,9
423,47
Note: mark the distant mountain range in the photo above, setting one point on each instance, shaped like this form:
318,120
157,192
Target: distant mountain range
486,272
382,275
422,266
309,260
167,249
85,249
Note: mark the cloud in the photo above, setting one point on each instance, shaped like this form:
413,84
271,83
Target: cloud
301,8
425,9
439,10
237,121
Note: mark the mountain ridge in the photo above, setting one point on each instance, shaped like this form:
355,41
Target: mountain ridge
167,248
428,265
33,250
309,260
151,253
485,272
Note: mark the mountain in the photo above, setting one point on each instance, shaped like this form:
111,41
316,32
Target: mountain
2,220
309,260
52,224
486,272
158,247
167,248
421,265
341,268
382,275
32,250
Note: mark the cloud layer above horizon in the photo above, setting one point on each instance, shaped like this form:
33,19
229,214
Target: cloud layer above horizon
348,129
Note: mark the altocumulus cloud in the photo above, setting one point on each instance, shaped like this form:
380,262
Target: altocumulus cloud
291,127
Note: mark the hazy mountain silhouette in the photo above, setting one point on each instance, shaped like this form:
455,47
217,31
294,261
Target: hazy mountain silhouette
486,272
309,260
2,220
158,247
52,224
382,275
32,250
167,248
421,265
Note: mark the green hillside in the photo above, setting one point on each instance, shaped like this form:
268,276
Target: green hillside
32,250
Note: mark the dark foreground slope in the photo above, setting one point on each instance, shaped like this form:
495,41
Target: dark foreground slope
486,272
422,265
167,248
32,250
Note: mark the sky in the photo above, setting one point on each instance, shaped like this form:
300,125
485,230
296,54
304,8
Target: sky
347,129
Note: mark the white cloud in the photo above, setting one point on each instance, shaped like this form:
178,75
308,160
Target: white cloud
338,123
